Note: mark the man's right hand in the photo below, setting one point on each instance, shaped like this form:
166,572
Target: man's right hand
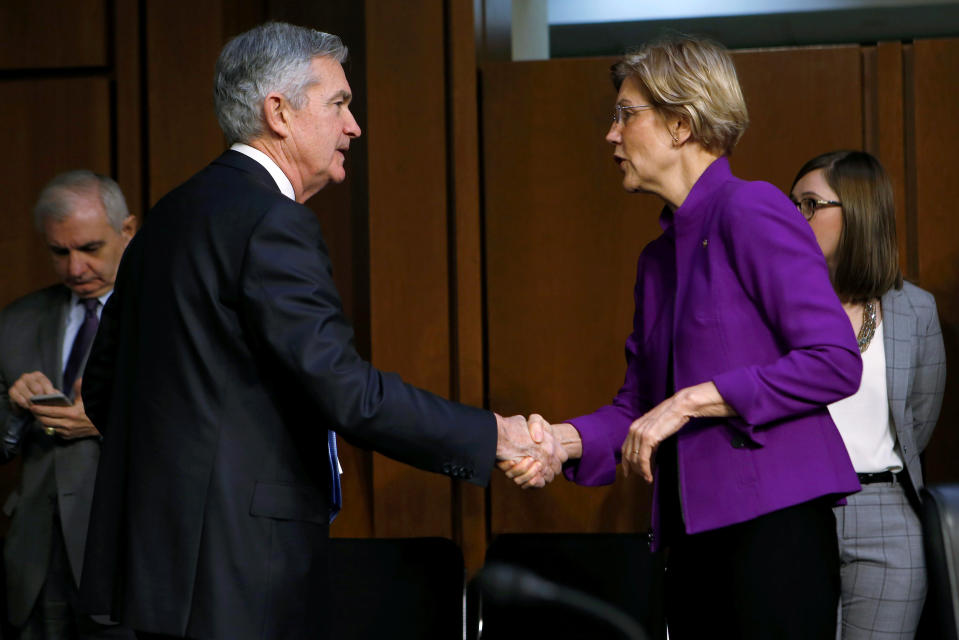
28,385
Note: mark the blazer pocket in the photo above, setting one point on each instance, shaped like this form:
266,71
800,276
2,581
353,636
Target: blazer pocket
285,501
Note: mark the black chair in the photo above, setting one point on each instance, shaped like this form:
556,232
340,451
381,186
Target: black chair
410,588
940,528
617,569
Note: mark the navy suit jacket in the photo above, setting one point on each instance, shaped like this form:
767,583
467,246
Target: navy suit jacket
222,359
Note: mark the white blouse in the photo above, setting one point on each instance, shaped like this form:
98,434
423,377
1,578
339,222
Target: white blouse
863,418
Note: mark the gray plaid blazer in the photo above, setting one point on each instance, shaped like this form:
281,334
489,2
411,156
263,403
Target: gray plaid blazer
915,370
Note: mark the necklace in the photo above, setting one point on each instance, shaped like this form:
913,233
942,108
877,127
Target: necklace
868,329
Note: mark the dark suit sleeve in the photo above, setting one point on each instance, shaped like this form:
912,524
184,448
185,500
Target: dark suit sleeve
12,426
98,375
293,311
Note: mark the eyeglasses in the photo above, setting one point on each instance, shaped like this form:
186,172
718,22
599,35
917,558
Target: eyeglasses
618,113
809,206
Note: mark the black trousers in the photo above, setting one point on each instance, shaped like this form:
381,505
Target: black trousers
776,576
56,614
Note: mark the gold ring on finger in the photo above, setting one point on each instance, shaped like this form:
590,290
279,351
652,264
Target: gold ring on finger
50,431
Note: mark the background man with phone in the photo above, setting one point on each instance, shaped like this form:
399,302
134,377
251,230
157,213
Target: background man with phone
45,338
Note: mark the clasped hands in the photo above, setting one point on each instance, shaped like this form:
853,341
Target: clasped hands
643,438
528,451
69,423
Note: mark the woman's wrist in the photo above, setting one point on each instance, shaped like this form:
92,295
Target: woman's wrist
703,400
569,437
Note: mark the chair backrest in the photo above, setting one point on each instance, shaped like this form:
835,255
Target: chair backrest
616,568
940,528
396,588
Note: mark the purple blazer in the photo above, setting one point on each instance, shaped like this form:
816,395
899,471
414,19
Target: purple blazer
737,289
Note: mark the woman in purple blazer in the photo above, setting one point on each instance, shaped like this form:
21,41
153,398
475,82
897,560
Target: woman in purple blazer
739,342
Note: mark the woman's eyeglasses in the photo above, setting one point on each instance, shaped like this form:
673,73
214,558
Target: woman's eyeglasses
619,117
809,206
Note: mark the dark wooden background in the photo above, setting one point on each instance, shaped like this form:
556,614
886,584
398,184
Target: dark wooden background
482,243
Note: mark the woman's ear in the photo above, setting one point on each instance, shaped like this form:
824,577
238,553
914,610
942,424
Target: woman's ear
679,130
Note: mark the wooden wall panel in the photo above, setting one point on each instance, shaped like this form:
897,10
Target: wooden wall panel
409,275
887,141
562,238
183,133
469,501
53,34
127,166
935,85
61,124
802,102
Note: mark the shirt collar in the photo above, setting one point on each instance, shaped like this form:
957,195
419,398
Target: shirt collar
286,187
75,299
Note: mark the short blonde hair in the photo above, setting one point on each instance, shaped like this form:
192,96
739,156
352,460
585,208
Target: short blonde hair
693,79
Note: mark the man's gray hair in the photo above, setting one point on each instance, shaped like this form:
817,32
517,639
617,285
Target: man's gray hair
61,196
275,56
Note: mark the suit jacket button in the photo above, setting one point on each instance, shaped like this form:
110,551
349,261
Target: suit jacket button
738,441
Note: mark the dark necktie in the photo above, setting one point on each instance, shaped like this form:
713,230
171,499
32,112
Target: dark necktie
81,343
336,493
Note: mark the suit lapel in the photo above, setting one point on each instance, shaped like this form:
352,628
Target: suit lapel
899,333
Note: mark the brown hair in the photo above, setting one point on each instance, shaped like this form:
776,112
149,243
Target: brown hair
867,257
693,79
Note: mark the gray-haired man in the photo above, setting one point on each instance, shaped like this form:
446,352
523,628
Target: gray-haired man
224,367
44,341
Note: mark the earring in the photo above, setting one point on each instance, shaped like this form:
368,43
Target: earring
673,136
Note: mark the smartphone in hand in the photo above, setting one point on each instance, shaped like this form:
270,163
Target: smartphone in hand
56,399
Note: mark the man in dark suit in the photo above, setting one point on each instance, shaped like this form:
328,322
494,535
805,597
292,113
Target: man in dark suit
224,365
44,340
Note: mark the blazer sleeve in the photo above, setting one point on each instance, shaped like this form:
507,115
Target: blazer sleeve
929,381
604,430
775,256
12,425
292,310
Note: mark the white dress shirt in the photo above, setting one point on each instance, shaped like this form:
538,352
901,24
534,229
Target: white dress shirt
863,418
286,187
74,319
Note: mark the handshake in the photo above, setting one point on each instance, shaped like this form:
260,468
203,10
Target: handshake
529,450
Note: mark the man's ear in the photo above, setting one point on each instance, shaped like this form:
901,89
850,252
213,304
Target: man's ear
276,114
129,227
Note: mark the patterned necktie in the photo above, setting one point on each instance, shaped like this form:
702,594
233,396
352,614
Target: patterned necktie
81,343
336,493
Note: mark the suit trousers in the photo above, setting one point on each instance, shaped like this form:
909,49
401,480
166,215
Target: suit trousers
882,566
775,576
56,614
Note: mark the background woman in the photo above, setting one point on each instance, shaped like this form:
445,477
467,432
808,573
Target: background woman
738,344
847,199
